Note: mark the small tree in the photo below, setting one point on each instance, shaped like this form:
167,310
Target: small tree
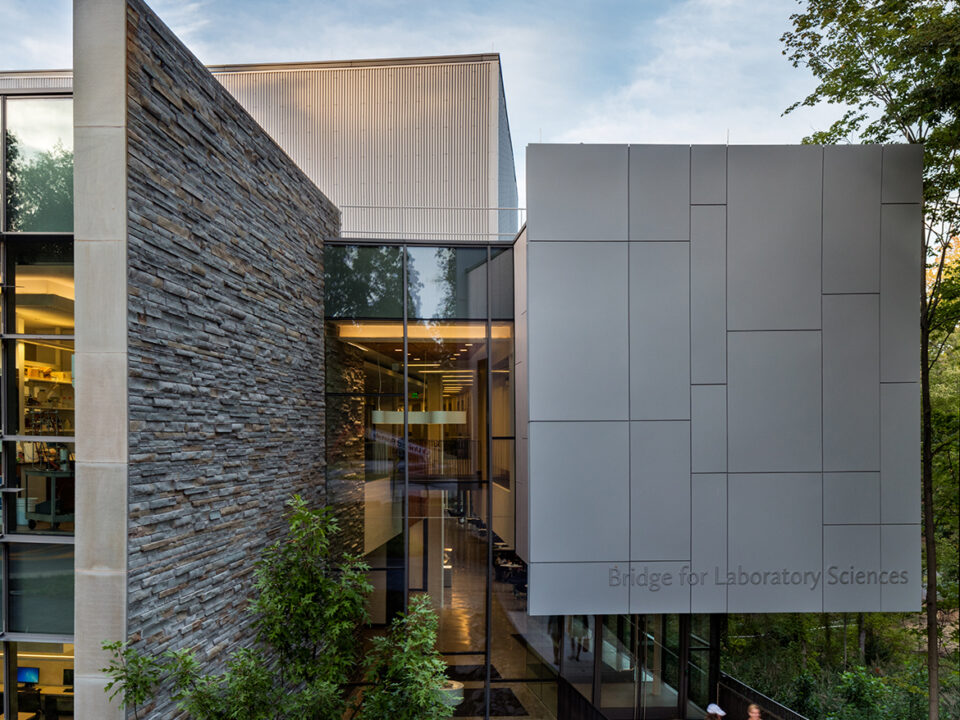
308,610
405,670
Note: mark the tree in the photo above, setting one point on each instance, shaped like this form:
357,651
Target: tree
403,669
893,65
307,613
39,189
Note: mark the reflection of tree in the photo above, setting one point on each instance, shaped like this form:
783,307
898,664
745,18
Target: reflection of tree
447,266
39,189
364,282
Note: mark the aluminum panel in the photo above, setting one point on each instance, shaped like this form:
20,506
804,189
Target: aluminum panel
659,331
660,491
577,589
660,193
659,587
774,525
851,498
900,553
851,218
579,491
708,540
773,237
900,453
577,331
902,173
773,402
708,175
576,192
851,576
900,287
708,294
851,382
708,429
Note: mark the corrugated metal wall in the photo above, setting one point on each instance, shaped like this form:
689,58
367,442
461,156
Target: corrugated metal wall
49,80
387,143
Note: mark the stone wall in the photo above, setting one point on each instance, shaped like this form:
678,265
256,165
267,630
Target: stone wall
225,338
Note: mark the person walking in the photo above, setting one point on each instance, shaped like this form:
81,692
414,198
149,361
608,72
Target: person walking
753,712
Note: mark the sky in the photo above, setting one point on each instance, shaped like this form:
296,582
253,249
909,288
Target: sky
604,71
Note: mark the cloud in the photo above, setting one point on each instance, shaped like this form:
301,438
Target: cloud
36,35
715,68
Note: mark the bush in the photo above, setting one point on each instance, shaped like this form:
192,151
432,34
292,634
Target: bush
308,610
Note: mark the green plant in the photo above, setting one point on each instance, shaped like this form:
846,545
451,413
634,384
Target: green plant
308,609
406,674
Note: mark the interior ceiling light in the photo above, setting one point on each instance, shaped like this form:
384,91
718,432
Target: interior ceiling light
453,332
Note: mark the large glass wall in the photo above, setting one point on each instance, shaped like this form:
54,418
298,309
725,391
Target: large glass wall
419,361
37,393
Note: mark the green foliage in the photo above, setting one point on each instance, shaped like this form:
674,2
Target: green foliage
406,672
132,676
307,606
308,610
893,69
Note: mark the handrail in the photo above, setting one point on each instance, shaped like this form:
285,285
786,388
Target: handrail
735,697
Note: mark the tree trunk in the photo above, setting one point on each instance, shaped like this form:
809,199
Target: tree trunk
929,536
845,619
862,638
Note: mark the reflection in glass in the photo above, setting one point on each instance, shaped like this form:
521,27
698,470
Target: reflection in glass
39,163
501,284
577,665
45,475
44,397
659,646
40,274
40,593
365,457
501,379
446,282
619,643
363,282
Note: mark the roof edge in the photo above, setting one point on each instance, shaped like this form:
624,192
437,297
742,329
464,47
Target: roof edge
373,62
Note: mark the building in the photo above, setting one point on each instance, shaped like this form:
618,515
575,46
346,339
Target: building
491,414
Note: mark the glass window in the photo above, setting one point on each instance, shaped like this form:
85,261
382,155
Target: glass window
44,673
446,282
41,588
364,357
577,664
363,282
501,284
44,474
39,281
42,402
39,163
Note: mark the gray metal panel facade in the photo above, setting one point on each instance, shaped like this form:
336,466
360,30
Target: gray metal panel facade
406,150
800,456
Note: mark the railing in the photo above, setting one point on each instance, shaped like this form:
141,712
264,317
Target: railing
431,223
735,697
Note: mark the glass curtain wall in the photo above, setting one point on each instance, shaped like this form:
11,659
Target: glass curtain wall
37,369
419,363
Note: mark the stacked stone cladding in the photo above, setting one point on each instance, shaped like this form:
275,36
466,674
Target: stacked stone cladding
225,347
